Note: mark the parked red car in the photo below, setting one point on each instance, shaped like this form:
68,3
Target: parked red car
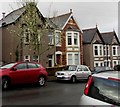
22,73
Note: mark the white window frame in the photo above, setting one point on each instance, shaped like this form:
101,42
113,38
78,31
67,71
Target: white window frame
35,59
98,49
26,59
57,38
116,50
73,57
25,35
99,63
116,62
51,41
72,38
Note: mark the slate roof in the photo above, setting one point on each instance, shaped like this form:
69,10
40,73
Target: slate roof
61,20
108,37
12,17
88,35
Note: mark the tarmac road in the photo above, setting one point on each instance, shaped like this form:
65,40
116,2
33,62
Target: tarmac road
53,93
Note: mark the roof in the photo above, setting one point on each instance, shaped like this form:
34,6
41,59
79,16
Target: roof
61,20
108,37
88,35
12,17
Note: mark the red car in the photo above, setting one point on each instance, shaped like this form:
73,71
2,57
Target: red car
22,73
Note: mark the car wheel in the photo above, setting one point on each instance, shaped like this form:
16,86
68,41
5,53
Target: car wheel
41,81
5,83
73,79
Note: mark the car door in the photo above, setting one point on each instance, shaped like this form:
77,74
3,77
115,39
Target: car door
86,72
79,72
18,73
33,72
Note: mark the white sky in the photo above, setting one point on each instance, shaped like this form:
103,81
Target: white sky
87,13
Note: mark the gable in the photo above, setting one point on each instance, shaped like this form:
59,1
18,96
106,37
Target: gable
71,25
114,40
96,39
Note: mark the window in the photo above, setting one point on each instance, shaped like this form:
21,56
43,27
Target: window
73,58
106,90
32,65
50,39
96,50
69,40
27,58
26,36
69,59
21,66
57,38
85,69
50,60
76,59
100,50
72,38
35,58
114,51
75,38
104,50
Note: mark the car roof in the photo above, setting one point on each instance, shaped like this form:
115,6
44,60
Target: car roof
108,74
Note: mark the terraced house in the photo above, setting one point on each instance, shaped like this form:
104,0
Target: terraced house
68,40
100,49
60,45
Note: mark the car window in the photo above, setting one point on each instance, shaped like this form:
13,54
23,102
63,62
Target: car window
72,68
32,65
7,66
85,69
21,66
105,90
79,69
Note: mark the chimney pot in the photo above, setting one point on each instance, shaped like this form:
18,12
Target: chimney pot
3,15
70,10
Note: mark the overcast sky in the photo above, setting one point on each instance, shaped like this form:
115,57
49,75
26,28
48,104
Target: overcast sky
104,14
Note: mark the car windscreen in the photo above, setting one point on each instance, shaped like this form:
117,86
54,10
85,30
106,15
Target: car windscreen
7,66
105,90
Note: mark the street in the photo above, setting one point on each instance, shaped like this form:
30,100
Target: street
53,93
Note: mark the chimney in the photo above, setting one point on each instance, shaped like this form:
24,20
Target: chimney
70,10
3,15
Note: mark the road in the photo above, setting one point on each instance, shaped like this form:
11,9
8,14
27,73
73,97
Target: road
53,93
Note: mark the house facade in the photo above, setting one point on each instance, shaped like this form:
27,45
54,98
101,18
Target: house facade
17,48
60,45
68,40
98,50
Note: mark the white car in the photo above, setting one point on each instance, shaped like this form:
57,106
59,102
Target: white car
103,89
73,73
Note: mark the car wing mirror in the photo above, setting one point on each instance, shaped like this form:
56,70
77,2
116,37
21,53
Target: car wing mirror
14,69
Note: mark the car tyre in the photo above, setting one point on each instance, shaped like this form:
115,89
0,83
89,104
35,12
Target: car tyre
41,81
5,83
73,79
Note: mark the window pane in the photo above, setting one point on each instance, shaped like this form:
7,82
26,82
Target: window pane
30,65
76,59
69,59
96,50
21,66
75,39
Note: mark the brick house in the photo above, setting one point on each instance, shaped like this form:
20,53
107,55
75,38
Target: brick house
11,44
113,46
68,40
98,48
62,46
